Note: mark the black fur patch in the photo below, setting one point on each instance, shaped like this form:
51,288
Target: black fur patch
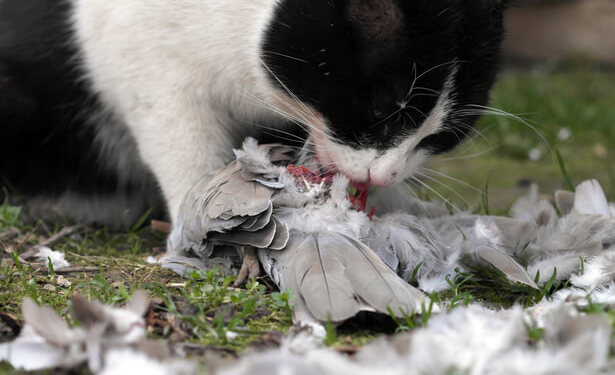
46,143
356,60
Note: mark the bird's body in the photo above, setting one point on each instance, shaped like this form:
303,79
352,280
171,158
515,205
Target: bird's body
304,228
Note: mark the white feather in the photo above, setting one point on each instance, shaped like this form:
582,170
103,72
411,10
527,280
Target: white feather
470,340
58,261
126,361
598,270
590,199
523,207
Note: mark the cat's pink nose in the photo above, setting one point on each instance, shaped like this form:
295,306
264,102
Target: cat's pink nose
382,178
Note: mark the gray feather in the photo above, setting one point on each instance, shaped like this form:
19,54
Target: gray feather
260,238
261,221
505,263
229,195
320,279
282,235
564,201
336,277
377,284
515,234
183,265
225,225
249,222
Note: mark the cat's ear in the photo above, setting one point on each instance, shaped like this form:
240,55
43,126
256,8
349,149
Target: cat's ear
375,20
378,25
502,4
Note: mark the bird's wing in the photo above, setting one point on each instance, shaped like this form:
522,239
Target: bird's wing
229,195
335,277
234,206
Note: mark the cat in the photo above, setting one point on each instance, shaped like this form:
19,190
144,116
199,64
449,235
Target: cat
108,108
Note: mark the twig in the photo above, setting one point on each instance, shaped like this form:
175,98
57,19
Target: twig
161,226
64,271
10,233
175,285
65,232
77,270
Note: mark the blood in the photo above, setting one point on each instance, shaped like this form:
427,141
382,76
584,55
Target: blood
358,200
302,174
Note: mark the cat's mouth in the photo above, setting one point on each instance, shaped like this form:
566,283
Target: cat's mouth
358,192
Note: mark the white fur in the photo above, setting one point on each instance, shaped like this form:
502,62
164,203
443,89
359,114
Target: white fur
396,164
186,79
180,74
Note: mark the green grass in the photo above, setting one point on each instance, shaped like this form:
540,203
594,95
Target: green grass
206,307
578,99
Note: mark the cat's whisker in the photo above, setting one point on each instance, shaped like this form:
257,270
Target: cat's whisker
380,122
298,117
305,112
279,130
416,78
471,156
457,124
452,62
429,188
287,56
284,139
290,136
419,95
411,119
451,178
447,187
409,93
279,111
418,110
434,92
410,186
486,110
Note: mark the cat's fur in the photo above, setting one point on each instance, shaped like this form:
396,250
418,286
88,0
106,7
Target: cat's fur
110,107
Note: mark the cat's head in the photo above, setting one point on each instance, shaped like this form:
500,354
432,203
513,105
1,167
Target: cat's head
383,84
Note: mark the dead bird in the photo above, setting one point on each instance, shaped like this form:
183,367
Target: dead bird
315,239
301,226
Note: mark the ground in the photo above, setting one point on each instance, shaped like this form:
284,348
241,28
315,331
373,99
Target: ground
565,111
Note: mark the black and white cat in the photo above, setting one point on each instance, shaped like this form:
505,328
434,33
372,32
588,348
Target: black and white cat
108,107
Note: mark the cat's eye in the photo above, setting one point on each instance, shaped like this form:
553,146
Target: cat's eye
378,112
382,107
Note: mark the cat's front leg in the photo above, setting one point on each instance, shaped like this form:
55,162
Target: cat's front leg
183,146
184,149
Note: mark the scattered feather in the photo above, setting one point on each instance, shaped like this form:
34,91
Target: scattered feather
590,199
472,340
58,261
47,341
